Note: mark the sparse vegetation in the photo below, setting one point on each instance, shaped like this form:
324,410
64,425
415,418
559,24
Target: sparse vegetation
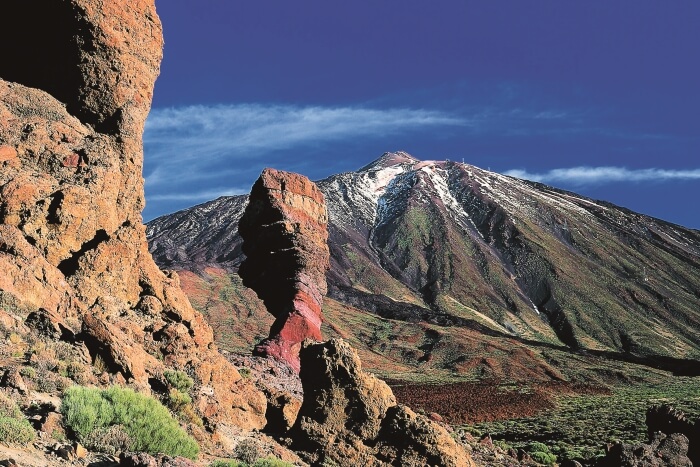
14,428
248,450
178,380
148,423
579,427
266,462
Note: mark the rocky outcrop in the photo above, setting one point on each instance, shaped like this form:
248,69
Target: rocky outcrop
351,418
284,231
666,419
673,441
662,451
73,102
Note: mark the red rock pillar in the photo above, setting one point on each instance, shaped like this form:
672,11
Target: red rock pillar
285,240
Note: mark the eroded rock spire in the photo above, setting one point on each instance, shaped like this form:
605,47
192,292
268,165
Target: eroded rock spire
285,240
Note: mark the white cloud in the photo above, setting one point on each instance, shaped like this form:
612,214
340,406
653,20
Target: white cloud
190,144
205,195
223,129
579,176
198,153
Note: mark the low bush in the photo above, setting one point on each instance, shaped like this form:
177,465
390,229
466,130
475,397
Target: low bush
147,422
545,458
271,462
536,446
225,463
539,452
248,450
111,440
8,408
178,400
178,380
16,431
14,428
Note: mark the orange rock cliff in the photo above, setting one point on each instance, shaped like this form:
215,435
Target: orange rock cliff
73,102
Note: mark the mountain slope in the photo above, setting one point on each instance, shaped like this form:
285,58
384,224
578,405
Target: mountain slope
460,247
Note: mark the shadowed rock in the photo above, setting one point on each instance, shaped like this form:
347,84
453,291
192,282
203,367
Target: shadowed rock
351,418
284,231
662,451
76,85
668,420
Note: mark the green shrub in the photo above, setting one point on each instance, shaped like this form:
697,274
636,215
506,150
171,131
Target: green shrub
28,372
244,372
267,462
14,428
16,431
8,408
111,440
178,400
536,446
178,380
545,458
147,422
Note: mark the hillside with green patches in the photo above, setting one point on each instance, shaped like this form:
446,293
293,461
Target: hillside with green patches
446,269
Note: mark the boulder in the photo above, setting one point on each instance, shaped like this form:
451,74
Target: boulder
662,451
352,418
666,419
285,240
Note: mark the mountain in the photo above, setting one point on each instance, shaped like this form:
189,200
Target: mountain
476,260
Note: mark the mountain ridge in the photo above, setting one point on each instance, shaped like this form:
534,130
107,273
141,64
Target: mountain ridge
459,244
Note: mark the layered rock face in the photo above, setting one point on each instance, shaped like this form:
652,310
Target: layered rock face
72,243
351,418
284,231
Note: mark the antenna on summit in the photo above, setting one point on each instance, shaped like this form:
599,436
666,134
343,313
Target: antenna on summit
463,161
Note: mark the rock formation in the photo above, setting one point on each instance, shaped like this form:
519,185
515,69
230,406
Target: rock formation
666,419
662,451
351,418
73,102
673,441
285,242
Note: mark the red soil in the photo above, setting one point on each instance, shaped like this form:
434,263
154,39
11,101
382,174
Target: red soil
460,403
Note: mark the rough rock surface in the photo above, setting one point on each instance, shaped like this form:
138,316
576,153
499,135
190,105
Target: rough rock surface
662,451
351,418
668,420
146,460
285,235
71,193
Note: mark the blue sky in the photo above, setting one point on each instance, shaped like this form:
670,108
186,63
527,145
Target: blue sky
601,98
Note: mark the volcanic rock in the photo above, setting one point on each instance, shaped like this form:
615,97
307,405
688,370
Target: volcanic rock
662,451
666,419
72,241
284,231
351,418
